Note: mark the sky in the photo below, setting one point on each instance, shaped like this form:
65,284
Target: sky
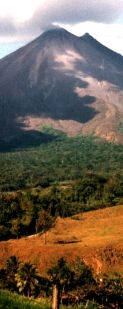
23,20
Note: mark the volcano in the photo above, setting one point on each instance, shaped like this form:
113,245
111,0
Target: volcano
74,84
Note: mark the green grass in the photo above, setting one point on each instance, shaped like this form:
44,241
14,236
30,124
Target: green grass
10,300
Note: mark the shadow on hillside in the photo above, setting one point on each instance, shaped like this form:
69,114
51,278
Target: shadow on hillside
64,103
25,140
53,96
102,64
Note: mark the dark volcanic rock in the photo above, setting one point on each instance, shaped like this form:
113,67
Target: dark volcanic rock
75,84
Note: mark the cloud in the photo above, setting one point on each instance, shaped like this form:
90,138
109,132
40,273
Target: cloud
7,26
78,11
48,12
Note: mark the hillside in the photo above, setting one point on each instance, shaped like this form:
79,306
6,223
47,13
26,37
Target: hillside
11,300
53,157
71,83
96,236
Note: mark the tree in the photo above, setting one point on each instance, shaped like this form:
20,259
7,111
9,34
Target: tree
83,280
60,277
12,264
77,278
11,269
27,279
2,278
16,227
82,273
44,223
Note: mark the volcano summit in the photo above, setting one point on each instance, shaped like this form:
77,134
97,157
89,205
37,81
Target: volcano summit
72,83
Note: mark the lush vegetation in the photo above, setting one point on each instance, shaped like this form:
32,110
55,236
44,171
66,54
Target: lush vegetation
60,175
10,300
27,212
76,284
58,158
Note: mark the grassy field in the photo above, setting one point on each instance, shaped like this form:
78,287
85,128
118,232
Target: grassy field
95,236
10,300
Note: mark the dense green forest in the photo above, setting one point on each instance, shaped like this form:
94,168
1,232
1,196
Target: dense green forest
61,177
55,157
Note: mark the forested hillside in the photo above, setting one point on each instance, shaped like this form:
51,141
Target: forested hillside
55,157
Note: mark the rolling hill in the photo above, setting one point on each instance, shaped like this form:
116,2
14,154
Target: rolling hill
74,84
95,236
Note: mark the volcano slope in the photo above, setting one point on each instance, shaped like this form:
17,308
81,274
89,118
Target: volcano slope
95,236
71,83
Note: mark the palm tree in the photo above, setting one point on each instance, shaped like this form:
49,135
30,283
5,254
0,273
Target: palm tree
27,279
11,269
12,264
60,277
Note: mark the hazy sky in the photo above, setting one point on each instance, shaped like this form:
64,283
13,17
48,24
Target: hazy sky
23,20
